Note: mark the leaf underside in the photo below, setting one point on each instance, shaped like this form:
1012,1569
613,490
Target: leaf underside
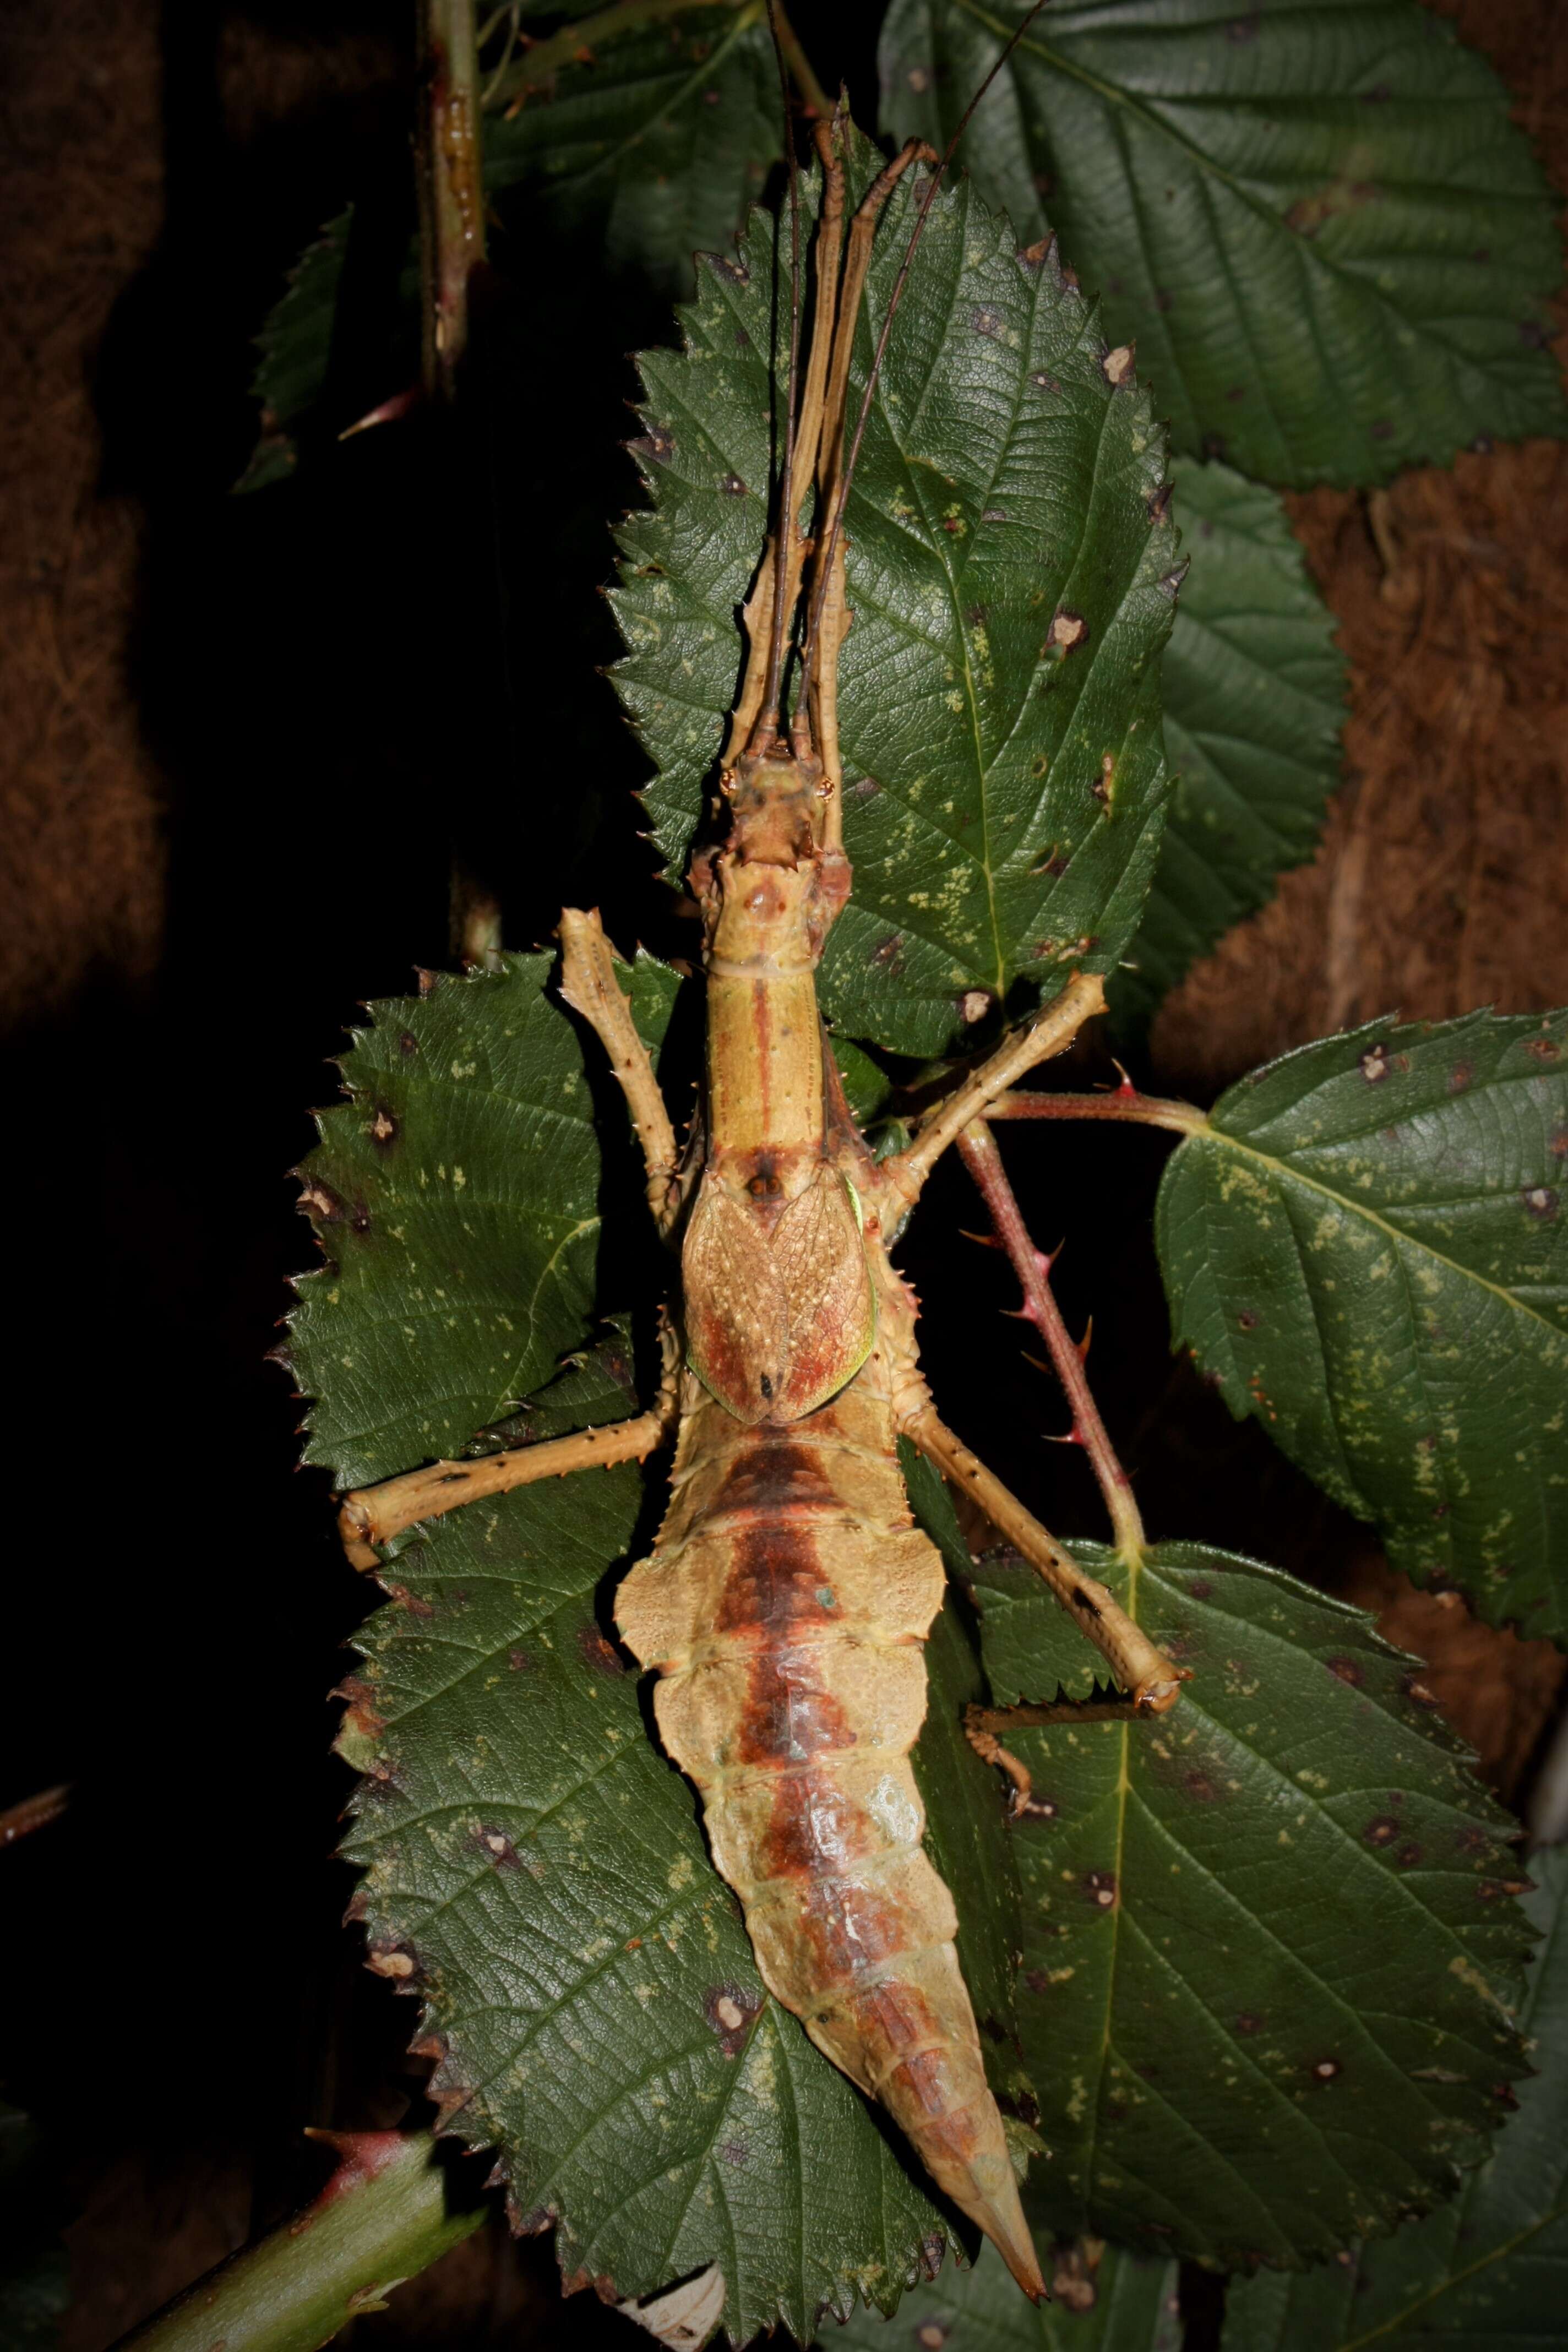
1367,1251
1332,243
1011,573
1488,2270
1254,694
1268,1945
1112,2304
654,141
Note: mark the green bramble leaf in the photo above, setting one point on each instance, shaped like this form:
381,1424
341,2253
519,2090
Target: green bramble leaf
1486,2270
1366,1248
1108,2303
1270,1955
1331,243
1011,570
1253,692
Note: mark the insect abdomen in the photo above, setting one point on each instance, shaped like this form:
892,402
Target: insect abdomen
786,1607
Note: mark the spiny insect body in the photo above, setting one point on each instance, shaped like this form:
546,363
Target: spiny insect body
787,1598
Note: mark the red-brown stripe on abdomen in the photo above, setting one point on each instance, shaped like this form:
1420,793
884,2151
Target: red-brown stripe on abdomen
787,1606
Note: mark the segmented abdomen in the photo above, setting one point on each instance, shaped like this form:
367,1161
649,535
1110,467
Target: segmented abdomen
786,1606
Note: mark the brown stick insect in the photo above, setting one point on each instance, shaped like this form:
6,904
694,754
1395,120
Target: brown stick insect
787,1598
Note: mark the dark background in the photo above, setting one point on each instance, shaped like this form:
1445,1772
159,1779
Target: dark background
239,736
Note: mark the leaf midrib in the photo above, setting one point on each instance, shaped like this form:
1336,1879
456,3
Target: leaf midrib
949,582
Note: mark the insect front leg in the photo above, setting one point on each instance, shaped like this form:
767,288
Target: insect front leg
1050,1032
589,985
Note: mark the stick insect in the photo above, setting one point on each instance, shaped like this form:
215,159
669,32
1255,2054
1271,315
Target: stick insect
789,1592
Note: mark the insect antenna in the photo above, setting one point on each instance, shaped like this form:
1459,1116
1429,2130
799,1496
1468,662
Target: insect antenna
767,723
829,542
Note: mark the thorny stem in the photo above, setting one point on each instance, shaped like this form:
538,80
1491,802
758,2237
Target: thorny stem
451,189
385,2215
1121,1102
977,1147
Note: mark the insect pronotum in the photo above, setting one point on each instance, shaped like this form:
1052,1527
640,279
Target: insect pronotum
789,1592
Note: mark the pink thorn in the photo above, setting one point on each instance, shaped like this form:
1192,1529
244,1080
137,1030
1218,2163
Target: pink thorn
390,412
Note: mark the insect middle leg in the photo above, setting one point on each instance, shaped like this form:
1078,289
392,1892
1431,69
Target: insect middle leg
373,1515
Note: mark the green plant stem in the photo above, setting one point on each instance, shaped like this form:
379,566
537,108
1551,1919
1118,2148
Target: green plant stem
385,2215
1121,1102
545,59
451,185
977,1148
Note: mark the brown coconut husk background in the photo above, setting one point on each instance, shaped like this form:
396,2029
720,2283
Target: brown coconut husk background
156,175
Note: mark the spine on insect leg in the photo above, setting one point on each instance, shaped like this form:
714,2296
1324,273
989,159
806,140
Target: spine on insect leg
786,1607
